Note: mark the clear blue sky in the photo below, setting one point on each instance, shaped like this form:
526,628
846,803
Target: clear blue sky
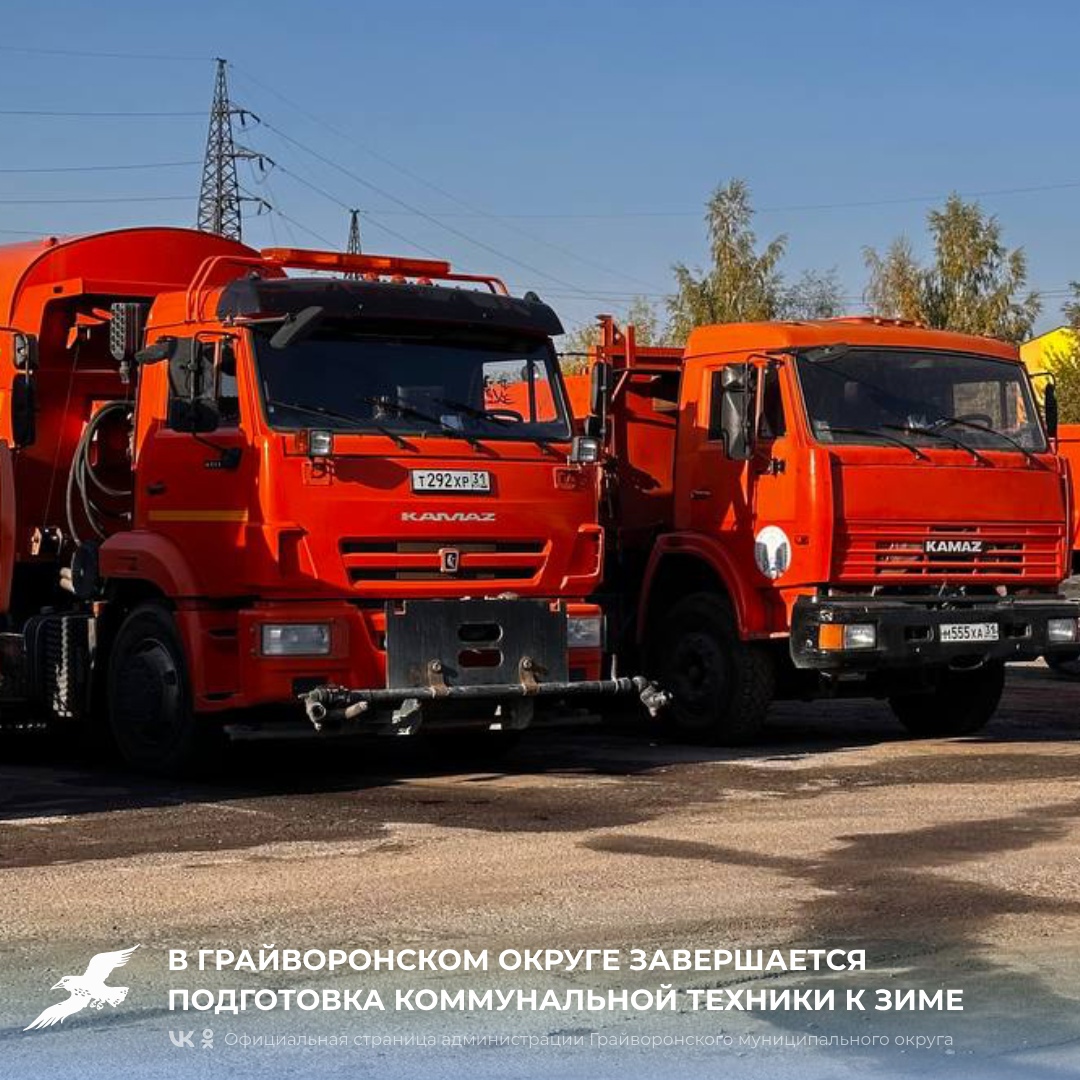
580,139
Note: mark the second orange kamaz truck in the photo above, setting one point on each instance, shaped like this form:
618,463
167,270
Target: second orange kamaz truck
846,507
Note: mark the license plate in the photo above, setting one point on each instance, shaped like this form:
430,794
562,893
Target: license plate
969,631
460,481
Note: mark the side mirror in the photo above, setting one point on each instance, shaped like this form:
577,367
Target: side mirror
584,450
732,401
24,352
193,405
1050,409
23,412
162,349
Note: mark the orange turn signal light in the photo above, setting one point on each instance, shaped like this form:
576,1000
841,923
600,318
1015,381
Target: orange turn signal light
831,636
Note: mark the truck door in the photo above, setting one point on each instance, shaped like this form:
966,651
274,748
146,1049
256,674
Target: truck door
193,487
752,505
773,475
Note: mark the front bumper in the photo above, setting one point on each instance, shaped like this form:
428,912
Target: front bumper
483,660
909,635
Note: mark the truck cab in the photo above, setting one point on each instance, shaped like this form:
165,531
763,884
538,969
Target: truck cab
851,506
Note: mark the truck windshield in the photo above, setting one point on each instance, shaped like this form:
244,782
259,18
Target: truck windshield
480,386
868,396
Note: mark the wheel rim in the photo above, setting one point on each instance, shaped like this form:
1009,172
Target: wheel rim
149,697
697,676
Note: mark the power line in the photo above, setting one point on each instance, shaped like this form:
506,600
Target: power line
345,206
990,193
475,212
330,197
91,54
329,245
20,201
393,198
419,213
412,175
101,168
126,114
793,208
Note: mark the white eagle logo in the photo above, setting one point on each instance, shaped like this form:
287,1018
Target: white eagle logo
772,552
87,989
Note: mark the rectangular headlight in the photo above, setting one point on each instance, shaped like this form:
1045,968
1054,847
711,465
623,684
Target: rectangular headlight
860,636
584,450
1061,631
585,631
320,443
296,639
847,636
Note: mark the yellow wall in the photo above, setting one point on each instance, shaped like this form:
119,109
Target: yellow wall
1039,353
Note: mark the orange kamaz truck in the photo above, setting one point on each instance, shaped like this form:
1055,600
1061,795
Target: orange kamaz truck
848,507
240,485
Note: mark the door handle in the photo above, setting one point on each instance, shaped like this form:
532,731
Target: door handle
156,488
701,493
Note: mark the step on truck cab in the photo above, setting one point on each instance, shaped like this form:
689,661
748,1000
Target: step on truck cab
854,506
236,485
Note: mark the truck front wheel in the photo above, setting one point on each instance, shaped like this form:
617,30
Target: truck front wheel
960,702
149,696
720,686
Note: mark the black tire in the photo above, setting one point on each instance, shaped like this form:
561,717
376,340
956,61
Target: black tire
960,703
149,698
721,687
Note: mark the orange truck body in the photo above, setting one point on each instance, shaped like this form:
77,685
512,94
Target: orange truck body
271,518
818,527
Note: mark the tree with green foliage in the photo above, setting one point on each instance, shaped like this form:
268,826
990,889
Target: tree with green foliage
744,283
647,321
576,343
814,295
974,284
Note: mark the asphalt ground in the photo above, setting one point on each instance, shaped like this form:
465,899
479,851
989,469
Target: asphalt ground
953,863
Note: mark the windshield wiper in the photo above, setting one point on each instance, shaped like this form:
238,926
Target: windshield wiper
333,414
878,433
481,414
948,421
419,414
917,429
475,413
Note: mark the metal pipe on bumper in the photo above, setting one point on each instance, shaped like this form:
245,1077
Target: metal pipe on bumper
332,705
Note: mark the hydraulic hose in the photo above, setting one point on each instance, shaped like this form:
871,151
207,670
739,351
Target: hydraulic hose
87,484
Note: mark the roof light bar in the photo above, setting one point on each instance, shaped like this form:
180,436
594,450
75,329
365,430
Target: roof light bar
356,264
